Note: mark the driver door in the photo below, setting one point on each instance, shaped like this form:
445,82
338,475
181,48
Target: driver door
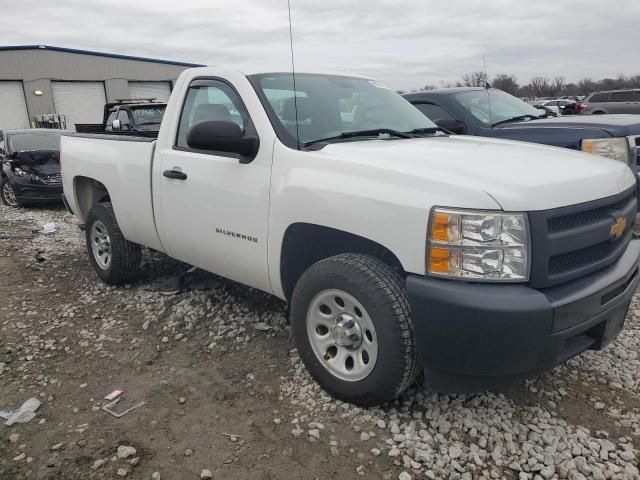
213,210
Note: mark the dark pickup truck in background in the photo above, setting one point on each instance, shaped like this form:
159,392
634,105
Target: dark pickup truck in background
139,117
494,113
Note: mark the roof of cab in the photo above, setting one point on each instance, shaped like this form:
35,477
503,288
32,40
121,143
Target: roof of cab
442,91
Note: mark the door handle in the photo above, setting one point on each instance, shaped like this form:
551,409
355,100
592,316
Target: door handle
175,174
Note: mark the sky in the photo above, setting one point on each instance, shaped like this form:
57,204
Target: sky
404,43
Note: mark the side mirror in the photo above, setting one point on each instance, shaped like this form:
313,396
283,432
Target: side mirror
115,124
223,136
452,124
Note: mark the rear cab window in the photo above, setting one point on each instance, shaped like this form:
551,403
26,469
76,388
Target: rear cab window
109,125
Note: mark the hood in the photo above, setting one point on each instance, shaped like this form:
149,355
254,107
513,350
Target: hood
615,125
518,176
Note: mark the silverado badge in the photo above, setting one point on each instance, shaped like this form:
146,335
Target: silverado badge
617,229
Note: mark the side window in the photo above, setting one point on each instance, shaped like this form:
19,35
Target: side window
434,112
210,100
622,96
109,127
598,98
123,116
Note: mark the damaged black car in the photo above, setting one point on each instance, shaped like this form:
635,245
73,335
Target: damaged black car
30,171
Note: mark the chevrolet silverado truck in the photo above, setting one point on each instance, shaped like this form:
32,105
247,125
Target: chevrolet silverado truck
401,249
494,113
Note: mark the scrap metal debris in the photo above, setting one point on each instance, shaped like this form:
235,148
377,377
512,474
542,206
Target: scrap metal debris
191,279
107,408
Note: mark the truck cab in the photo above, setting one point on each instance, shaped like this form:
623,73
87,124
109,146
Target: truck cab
400,248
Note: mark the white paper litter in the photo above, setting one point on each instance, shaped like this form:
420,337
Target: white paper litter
25,413
48,228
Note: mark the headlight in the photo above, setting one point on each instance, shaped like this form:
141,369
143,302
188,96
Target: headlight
18,171
466,244
614,148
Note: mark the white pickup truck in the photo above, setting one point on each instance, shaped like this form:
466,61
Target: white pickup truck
400,248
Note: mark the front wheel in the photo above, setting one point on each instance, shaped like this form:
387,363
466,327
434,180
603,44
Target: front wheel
7,193
353,328
114,258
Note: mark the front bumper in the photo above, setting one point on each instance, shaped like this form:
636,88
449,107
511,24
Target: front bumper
25,191
472,337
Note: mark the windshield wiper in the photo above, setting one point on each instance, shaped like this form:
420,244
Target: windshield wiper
418,131
359,133
519,118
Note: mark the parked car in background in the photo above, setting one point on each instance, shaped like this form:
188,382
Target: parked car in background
139,117
494,113
400,247
30,171
560,106
615,101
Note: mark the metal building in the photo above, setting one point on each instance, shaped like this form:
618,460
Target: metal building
39,79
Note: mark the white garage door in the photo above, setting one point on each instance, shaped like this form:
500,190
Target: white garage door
81,102
13,109
158,90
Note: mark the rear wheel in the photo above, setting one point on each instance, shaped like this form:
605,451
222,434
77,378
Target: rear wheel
599,112
7,194
115,259
352,325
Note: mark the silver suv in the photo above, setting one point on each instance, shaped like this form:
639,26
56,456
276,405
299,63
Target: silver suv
615,101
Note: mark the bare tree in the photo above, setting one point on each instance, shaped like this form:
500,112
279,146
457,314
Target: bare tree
558,84
475,79
540,86
507,83
586,86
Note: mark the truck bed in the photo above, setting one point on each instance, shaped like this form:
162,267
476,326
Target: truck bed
123,165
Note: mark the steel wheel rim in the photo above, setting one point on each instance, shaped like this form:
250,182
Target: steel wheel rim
100,244
9,195
342,335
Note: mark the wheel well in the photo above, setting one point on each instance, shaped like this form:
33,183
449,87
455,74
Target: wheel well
598,112
305,244
89,192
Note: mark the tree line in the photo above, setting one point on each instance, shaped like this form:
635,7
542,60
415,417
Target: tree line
543,86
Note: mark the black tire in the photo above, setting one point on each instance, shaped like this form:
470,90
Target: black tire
568,111
599,112
125,258
382,293
4,181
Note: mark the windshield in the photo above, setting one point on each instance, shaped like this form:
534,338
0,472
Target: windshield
148,115
328,106
34,141
493,106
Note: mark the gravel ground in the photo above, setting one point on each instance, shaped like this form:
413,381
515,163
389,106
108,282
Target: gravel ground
226,394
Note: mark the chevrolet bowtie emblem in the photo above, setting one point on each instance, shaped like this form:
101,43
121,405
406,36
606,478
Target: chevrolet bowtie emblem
617,229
